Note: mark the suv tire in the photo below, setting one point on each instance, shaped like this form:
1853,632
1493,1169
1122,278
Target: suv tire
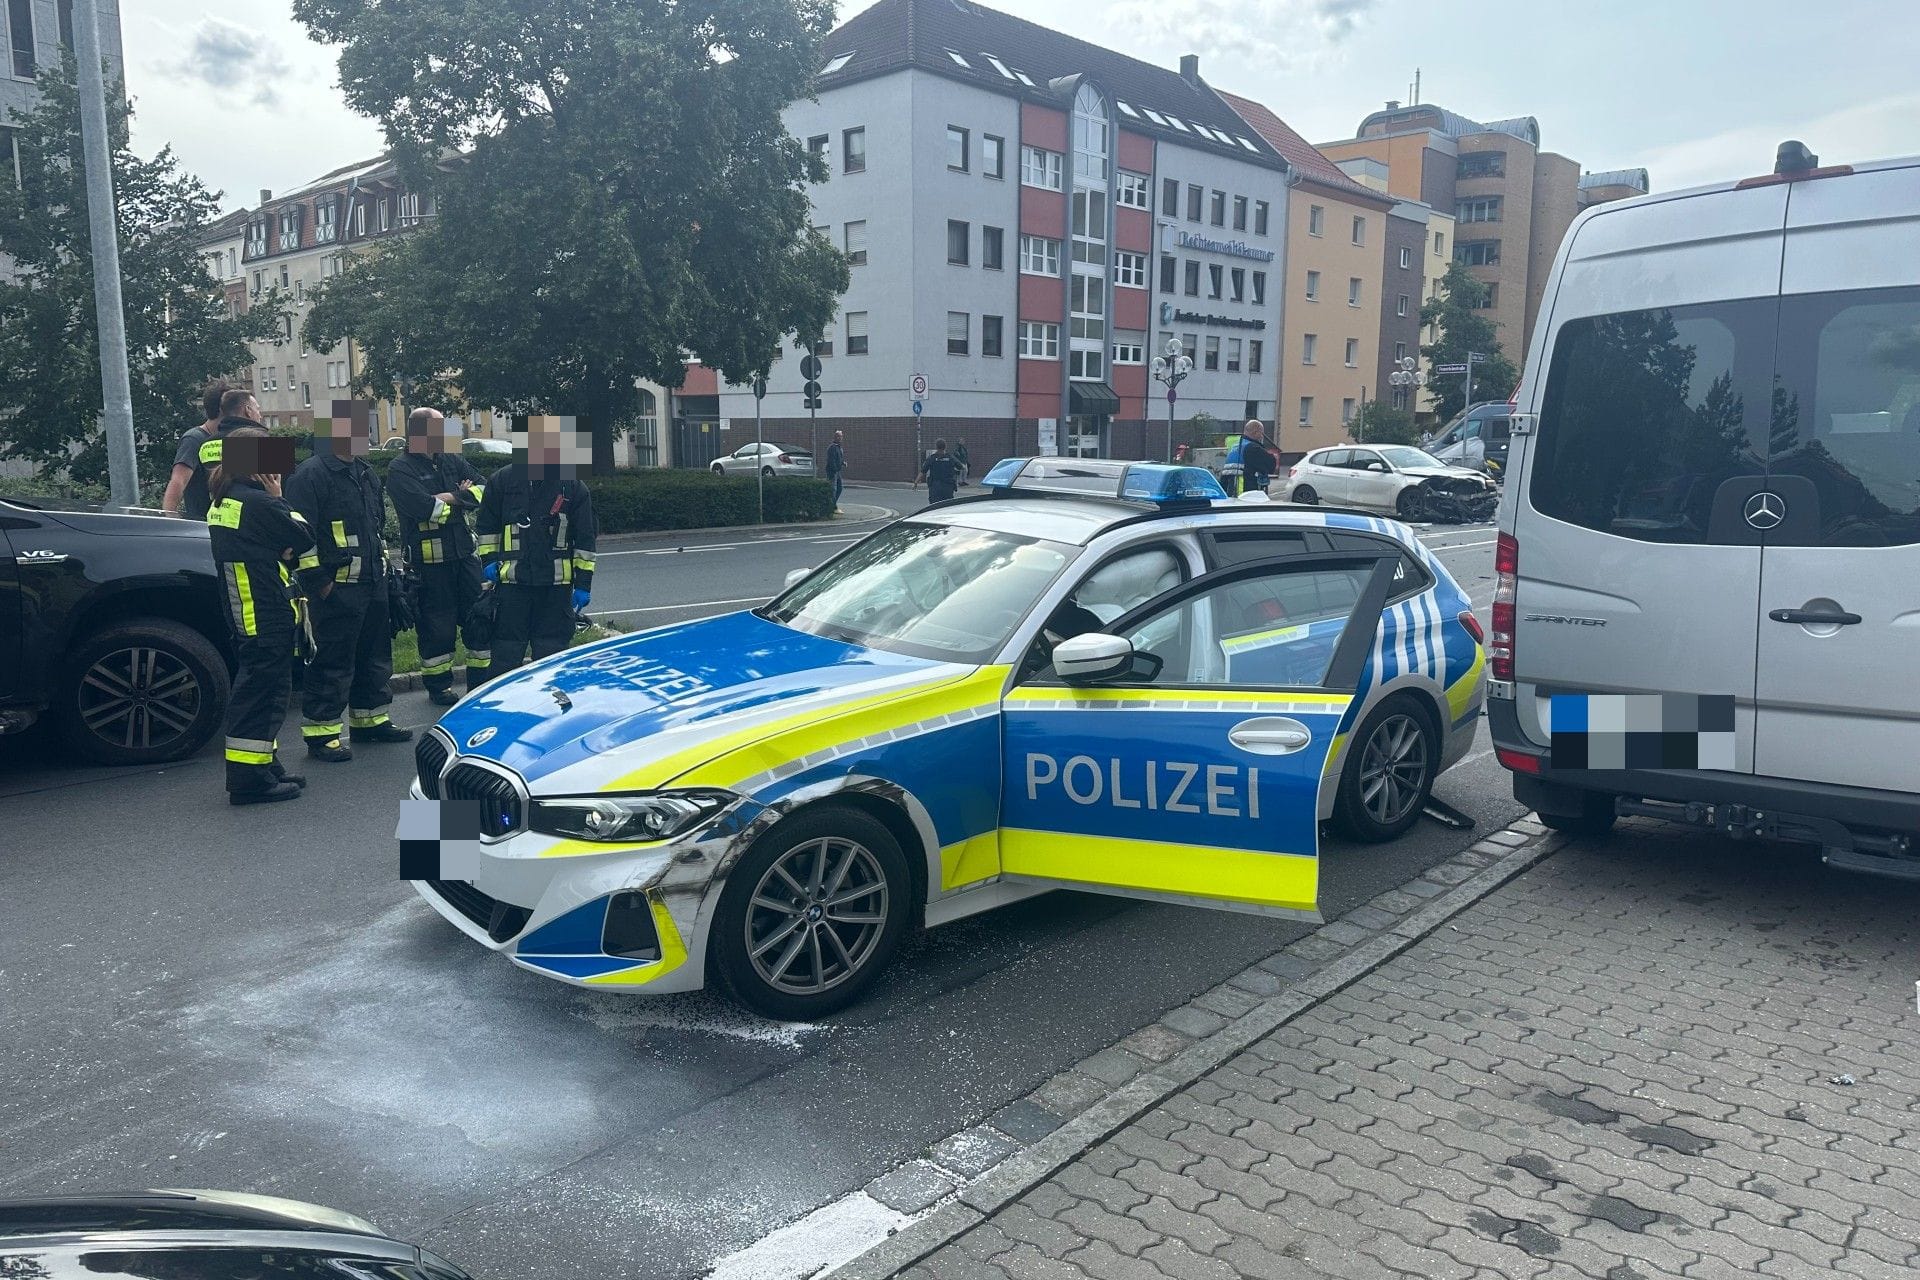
142,691
1397,747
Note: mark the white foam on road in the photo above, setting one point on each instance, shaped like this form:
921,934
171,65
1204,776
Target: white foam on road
824,1239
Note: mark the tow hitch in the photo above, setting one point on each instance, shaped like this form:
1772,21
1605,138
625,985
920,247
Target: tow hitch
1872,853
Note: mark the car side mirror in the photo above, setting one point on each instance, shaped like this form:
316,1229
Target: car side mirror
1376,466
1086,658
795,577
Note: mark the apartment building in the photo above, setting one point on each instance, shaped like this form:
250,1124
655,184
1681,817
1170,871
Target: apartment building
33,34
1030,218
1511,201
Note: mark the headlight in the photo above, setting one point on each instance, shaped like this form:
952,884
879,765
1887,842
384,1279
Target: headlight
658,815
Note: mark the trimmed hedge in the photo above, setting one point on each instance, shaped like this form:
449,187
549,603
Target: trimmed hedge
629,501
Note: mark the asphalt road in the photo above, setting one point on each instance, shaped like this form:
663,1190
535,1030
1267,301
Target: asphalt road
195,995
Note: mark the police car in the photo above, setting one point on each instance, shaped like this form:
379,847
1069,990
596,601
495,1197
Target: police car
1093,676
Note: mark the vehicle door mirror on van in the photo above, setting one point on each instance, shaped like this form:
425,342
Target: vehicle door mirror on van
795,577
1084,659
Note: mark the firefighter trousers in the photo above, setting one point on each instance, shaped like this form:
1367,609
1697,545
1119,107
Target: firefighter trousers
257,707
447,592
540,618
352,662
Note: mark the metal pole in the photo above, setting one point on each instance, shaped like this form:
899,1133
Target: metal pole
116,417
1469,403
1170,399
759,459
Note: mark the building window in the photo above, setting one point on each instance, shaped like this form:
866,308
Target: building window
1040,168
1085,364
993,248
1090,137
1353,353
1196,196
1131,351
1039,341
1168,266
1039,256
256,246
1406,258
1316,220
1489,297
1239,213
1259,217
990,327
1190,344
290,228
1346,411
993,156
1309,344
853,151
1193,279
1090,227
1399,397
1088,297
857,243
20,17
1306,411
956,148
326,221
1483,164
1353,291
1359,230
1313,286
1400,308
856,333
300,293
1477,253
959,323
817,146
1216,276
1439,244
1483,209
306,395
384,220
1233,355
285,281
958,235
1217,209
1212,358
1399,351
1255,348
1170,197
1130,269
1259,288
1130,189
1238,277
823,348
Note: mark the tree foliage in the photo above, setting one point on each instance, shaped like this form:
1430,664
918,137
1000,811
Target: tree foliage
1463,328
178,331
615,192
1380,423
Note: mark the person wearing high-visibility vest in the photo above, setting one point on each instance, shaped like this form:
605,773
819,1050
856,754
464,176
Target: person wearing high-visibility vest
1254,458
536,534
433,488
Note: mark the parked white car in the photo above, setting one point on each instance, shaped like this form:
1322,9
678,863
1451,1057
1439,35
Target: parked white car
771,459
1409,482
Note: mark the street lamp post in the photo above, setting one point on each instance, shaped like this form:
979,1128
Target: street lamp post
1172,369
1407,373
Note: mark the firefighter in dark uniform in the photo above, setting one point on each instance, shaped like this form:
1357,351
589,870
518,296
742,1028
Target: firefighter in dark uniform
344,504
258,541
536,537
432,491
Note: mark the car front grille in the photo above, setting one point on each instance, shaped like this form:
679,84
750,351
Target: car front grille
429,758
502,811
501,920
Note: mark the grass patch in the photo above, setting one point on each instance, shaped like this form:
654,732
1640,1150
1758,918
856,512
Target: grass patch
406,648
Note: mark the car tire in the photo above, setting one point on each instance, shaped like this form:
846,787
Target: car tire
717,469
1392,761
767,472
1304,495
1595,818
140,692
1403,503
791,959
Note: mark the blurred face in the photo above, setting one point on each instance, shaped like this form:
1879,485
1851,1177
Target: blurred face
347,433
553,445
257,456
432,432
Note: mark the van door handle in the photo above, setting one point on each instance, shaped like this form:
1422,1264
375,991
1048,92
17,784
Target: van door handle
1270,736
1815,618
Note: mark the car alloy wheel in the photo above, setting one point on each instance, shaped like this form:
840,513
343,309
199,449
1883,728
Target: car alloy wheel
816,916
139,698
1305,496
1393,769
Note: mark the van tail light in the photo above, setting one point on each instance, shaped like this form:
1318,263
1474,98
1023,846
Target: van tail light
1517,761
1472,624
1506,565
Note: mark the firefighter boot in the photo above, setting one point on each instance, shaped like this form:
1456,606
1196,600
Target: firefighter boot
332,750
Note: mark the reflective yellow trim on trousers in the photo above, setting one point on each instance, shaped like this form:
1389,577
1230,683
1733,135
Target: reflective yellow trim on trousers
438,665
366,719
970,861
236,756
673,953
321,730
1460,693
249,622
1289,881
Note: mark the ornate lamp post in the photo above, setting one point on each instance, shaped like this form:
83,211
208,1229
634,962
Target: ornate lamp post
1172,369
1407,373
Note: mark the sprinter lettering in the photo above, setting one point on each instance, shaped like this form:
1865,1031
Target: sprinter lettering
1170,786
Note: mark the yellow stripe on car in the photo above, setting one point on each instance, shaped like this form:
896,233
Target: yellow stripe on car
1287,881
972,860
1460,694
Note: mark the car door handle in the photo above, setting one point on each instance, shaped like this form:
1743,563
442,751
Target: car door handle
1815,617
1270,736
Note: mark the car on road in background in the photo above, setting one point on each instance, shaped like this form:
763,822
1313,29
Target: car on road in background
1409,482
112,627
201,1235
1478,438
482,444
1708,593
1094,675
768,459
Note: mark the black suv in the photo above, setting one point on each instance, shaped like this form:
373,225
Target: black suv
112,626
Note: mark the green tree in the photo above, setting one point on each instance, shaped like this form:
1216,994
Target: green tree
1462,327
1380,423
614,191
178,331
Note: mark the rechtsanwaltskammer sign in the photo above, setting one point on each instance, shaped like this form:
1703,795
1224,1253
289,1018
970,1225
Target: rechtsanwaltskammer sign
1174,239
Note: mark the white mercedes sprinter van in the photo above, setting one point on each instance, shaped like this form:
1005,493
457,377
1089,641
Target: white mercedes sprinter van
1708,603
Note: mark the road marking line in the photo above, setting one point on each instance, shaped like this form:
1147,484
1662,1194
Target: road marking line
1461,546
835,1233
667,608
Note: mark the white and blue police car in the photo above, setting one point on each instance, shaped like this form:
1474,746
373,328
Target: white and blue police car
1094,676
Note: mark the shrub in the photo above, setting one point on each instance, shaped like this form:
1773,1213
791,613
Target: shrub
629,501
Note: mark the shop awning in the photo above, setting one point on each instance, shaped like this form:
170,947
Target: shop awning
1092,400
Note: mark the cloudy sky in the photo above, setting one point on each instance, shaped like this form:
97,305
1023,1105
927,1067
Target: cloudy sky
1695,90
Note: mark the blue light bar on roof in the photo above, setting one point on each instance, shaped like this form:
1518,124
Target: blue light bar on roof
1152,482
1161,483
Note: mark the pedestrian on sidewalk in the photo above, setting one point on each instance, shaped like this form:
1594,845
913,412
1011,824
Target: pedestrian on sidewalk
962,461
939,472
345,506
1254,458
186,492
536,536
257,541
433,490
837,465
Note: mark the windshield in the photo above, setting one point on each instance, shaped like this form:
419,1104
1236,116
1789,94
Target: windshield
930,590
1404,456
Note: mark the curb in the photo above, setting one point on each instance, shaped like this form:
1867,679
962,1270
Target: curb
944,1194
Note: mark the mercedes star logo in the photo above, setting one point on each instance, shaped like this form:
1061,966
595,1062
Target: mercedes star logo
1765,510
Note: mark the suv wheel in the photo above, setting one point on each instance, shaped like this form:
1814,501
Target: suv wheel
1391,763
141,692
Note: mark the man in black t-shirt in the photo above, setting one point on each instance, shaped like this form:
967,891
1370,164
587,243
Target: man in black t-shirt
940,473
187,484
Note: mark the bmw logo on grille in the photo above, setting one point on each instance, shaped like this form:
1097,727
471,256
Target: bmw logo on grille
1765,510
482,737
